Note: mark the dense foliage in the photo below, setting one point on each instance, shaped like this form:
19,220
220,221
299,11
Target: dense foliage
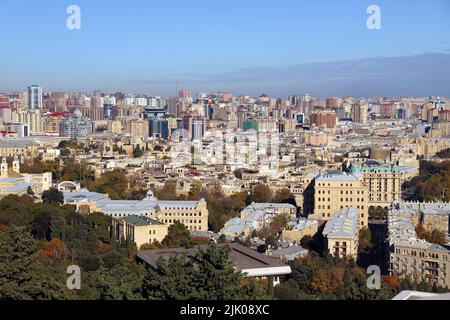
38,241
211,277
432,183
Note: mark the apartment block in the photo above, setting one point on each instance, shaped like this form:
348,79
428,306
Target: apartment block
336,191
341,233
412,257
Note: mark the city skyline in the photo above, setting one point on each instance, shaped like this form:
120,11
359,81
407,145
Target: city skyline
324,49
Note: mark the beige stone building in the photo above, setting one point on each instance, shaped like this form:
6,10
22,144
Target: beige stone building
384,182
334,192
342,232
411,257
12,181
295,232
32,117
140,230
114,126
432,215
193,214
18,147
138,128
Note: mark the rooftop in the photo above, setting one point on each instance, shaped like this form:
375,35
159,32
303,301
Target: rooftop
245,260
343,224
140,221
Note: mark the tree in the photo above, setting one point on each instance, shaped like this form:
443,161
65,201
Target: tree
55,248
113,183
306,242
196,191
22,274
53,196
118,283
283,196
288,290
210,277
30,191
178,236
365,240
261,193
272,241
57,226
421,232
138,152
438,237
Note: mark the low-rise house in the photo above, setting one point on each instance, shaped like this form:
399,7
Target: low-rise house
255,217
289,253
297,230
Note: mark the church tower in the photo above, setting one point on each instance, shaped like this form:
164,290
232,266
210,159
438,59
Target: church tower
4,168
16,165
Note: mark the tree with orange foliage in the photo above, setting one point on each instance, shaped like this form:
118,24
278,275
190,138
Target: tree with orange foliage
3,228
320,282
55,248
391,282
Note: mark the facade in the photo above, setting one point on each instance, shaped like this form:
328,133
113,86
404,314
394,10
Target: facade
75,126
138,128
384,181
255,217
140,230
360,113
412,257
34,97
33,118
19,147
195,126
432,215
341,233
193,214
297,230
327,118
12,181
334,192
159,128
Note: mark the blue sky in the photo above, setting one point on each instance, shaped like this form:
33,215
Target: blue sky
236,45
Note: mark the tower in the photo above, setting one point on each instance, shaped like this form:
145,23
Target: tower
16,165
4,168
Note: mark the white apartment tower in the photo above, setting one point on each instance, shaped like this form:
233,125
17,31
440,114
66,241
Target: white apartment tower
34,97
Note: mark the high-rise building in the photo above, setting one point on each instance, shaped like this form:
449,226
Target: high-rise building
326,118
75,126
333,102
185,94
4,101
293,100
360,113
34,97
138,128
305,98
195,126
159,128
33,118
172,106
